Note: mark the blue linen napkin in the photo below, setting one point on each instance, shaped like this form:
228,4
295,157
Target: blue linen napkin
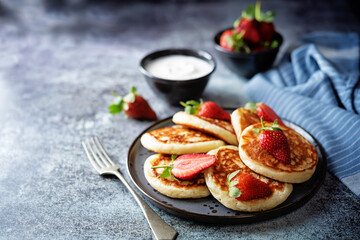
318,88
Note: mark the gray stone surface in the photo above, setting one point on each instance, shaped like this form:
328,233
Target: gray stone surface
59,60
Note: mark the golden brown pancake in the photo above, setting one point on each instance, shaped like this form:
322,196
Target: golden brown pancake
171,186
219,128
303,156
179,140
228,161
241,118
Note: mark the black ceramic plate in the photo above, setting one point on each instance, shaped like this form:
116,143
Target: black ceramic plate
209,209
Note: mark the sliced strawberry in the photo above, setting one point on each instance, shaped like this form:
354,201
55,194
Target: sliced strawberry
274,141
206,109
251,187
133,105
188,166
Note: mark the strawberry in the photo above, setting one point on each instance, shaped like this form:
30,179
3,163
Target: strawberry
266,31
133,105
245,187
187,166
226,40
274,141
249,29
265,112
206,109
257,28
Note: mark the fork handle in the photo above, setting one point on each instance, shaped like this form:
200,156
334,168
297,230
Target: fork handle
160,229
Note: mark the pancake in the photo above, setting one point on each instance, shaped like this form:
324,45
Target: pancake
241,118
219,128
228,161
171,186
303,156
179,140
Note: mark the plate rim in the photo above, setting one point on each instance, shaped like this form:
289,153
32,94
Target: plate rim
247,217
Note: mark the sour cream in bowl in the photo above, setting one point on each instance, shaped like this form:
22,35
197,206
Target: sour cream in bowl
178,74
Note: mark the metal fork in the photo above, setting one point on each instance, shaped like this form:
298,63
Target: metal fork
104,165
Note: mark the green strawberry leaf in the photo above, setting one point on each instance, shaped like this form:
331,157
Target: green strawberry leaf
256,130
117,105
130,97
249,13
237,22
268,16
274,44
115,109
233,183
230,41
234,192
251,106
231,176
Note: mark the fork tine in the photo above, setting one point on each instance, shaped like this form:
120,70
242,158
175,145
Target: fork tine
97,160
95,165
104,152
100,154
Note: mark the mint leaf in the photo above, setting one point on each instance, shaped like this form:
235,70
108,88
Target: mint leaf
166,173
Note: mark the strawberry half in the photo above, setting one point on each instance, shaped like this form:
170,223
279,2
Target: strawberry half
265,112
245,187
133,105
274,141
188,166
206,109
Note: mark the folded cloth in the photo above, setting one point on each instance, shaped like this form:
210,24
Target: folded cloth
318,88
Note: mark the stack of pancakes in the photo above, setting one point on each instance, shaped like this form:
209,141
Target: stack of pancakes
236,147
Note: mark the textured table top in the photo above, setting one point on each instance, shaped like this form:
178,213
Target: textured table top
58,65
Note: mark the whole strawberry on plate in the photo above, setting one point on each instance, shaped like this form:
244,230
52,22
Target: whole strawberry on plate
245,187
274,141
265,112
206,109
133,105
